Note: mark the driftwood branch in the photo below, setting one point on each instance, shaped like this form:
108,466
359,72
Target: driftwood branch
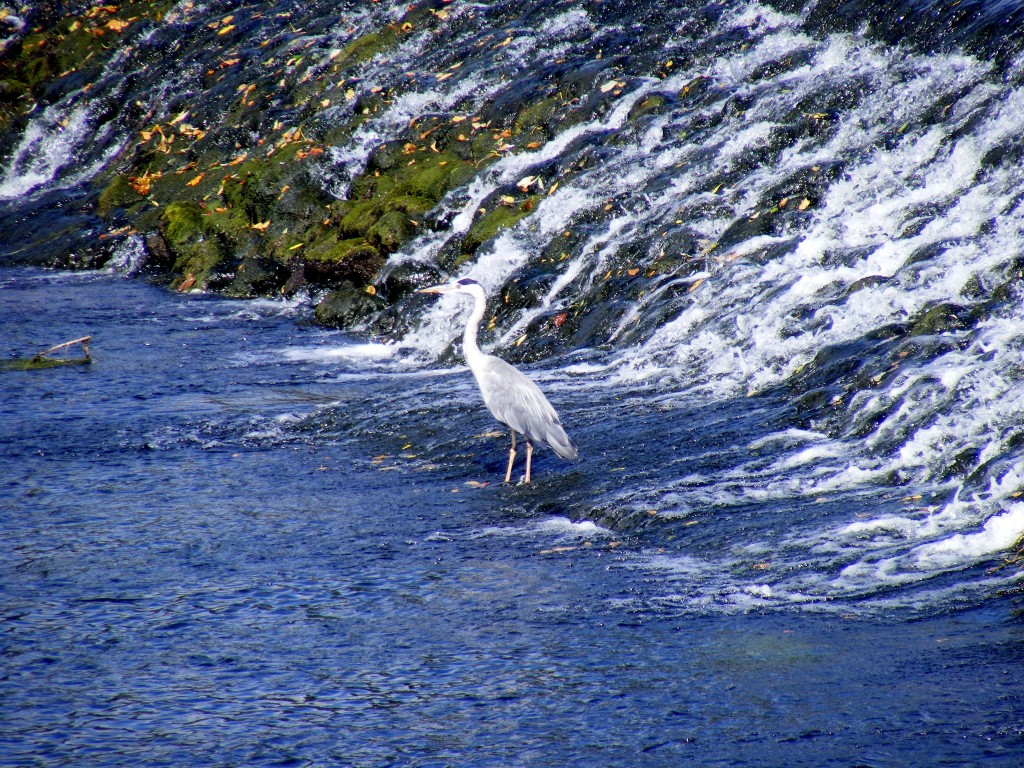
84,341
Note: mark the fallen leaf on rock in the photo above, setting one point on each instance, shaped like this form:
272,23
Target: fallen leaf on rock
187,283
560,319
696,284
261,226
193,182
116,25
526,182
804,204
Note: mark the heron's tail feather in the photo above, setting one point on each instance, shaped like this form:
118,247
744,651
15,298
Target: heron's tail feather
561,444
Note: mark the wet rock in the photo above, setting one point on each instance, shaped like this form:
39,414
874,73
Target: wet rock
346,307
390,231
257,276
399,280
943,318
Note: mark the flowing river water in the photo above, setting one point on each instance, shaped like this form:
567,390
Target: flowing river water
238,538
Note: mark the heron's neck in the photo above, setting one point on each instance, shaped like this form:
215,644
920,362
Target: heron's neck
469,346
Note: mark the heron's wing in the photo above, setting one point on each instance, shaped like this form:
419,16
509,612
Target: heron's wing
516,401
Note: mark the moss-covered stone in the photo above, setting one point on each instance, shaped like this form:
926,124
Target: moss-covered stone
493,221
117,194
390,231
60,54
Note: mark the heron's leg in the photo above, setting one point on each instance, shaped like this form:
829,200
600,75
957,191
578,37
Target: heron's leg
511,458
529,458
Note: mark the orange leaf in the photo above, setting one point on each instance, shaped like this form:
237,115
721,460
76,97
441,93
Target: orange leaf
194,181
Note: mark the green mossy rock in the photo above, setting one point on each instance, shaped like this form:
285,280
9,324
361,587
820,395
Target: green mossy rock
117,194
390,231
493,222
196,250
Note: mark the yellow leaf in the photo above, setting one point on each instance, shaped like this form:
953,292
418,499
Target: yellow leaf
194,181
296,246
372,290
178,118
225,30
443,76
633,272
804,204
696,284
261,226
520,340
116,25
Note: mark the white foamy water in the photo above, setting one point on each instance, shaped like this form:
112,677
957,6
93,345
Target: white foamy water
49,146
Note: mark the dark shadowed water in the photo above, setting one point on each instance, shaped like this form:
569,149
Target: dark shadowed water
227,543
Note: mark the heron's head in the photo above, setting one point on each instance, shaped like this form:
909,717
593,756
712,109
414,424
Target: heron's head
465,285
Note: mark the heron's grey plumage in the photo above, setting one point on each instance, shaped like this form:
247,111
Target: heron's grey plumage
514,399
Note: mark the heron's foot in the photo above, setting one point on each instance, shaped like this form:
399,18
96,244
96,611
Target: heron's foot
523,480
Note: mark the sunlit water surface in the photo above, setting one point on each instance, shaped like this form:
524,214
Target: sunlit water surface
237,539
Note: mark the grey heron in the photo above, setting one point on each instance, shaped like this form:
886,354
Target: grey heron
511,397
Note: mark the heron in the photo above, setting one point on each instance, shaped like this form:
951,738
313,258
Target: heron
512,398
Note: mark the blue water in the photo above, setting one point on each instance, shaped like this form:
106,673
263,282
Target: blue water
218,551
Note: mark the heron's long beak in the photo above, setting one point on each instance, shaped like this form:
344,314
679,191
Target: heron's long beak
434,289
